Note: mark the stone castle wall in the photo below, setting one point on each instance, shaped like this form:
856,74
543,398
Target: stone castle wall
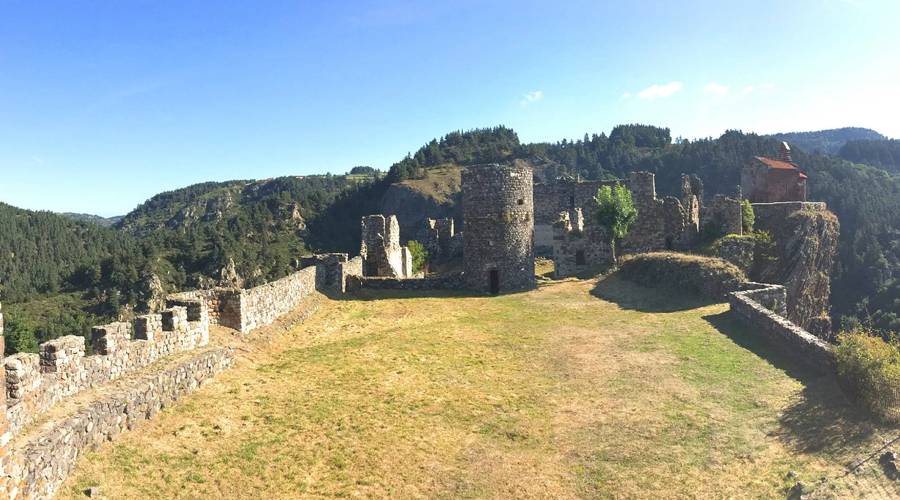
561,196
579,246
40,466
448,282
498,219
764,308
36,382
247,309
380,248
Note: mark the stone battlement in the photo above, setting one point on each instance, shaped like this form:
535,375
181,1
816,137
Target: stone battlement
36,382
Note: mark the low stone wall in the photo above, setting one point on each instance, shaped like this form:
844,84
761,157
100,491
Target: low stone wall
36,382
245,310
262,305
41,465
222,304
449,282
764,308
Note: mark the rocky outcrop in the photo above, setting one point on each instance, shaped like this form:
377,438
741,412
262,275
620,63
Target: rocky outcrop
806,236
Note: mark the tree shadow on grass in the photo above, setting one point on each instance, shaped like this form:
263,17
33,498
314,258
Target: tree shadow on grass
628,295
818,420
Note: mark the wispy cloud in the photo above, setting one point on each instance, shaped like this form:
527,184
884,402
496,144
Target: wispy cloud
657,91
532,97
716,89
626,96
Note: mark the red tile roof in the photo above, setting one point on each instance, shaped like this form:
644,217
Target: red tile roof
780,165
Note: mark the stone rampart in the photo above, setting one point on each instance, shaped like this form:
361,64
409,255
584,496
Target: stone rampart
764,308
39,466
245,310
262,305
36,382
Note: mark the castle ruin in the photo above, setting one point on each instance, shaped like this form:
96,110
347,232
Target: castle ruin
380,248
498,220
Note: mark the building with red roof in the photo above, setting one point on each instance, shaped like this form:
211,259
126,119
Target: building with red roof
766,180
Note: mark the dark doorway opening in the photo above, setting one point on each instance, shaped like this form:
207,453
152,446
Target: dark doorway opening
669,243
579,258
369,268
494,281
572,202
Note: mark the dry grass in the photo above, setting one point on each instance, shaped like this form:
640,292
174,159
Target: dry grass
440,183
554,393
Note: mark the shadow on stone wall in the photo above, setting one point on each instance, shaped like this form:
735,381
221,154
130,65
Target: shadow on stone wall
820,418
628,295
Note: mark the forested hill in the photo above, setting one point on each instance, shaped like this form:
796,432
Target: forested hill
879,153
188,237
827,142
93,219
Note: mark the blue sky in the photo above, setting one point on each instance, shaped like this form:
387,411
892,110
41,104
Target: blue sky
105,103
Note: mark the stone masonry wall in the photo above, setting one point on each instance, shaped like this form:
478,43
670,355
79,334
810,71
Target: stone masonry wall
380,246
764,307
578,245
36,382
245,310
262,305
39,466
498,222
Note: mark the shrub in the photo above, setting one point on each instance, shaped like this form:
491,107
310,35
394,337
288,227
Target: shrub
869,369
419,255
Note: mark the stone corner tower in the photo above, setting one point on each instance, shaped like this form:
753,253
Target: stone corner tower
498,224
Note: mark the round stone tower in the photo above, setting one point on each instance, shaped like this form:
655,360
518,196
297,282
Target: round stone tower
498,227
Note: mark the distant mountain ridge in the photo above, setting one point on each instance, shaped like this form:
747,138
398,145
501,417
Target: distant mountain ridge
829,141
93,219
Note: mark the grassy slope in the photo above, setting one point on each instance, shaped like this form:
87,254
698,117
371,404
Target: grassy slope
553,393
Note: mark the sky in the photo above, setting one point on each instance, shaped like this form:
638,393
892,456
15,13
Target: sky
105,103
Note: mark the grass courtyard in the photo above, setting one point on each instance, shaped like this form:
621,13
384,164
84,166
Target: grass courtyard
577,389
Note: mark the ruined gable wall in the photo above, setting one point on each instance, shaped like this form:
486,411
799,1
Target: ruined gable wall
579,245
380,246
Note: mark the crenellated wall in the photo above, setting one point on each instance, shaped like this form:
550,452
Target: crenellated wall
36,382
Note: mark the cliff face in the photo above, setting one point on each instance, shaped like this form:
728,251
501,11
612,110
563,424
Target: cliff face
435,196
806,237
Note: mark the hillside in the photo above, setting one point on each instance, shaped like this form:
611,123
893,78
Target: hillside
189,237
827,142
602,389
883,154
93,219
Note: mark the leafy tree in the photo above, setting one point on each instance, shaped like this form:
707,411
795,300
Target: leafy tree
615,211
18,335
419,255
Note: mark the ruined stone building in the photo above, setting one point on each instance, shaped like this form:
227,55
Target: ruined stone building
553,198
767,180
669,223
498,220
440,239
380,248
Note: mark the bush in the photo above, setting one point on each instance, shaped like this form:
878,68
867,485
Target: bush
419,255
706,276
869,369
748,218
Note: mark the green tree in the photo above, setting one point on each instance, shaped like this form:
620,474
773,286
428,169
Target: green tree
615,211
419,255
747,216
19,337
